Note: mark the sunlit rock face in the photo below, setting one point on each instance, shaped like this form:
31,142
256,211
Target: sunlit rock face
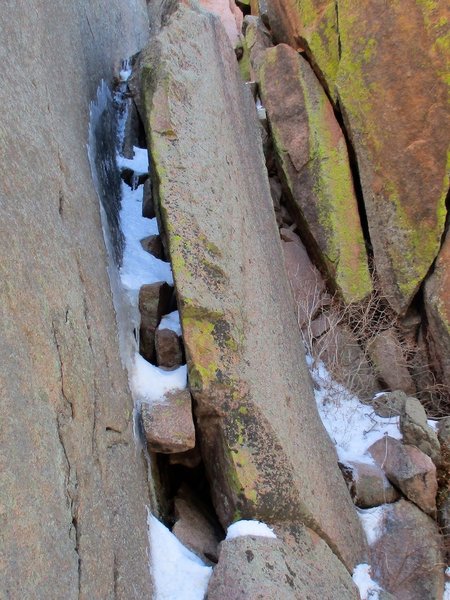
74,489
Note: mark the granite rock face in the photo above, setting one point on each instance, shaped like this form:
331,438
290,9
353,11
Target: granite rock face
74,490
266,452
386,71
312,156
265,568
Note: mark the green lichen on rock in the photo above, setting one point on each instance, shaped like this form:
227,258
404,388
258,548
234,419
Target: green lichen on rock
313,155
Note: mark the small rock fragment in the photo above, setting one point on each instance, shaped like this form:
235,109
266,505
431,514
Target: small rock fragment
154,301
389,404
153,245
407,467
368,485
169,352
168,425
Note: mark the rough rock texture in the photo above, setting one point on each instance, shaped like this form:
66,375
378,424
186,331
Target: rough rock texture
390,362
257,39
266,568
386,69
313,159
407,558
437,305
169,353
154,302
305,280
153,245
230,15
389,404
416,431
412,471
74,487
168,425
266,452
368,484
194,530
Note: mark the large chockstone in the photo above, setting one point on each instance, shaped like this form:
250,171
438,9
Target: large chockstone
313,160
437,305
407,557
266,452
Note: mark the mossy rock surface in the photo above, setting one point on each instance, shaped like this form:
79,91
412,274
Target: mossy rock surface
312,156
266,452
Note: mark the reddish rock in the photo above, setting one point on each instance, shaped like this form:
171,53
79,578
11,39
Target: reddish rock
368,485
154,301
312,156
389,360
168,425
169,352
412,471
407,558
437,305
230,15
153,245
194,530
306,282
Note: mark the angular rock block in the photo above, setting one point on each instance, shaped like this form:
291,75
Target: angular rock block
153,245
417,432
148,205
154,301
267,568
389,404
368,485
389,360
314,164
407,558
169,353
266,452
168,425
412,471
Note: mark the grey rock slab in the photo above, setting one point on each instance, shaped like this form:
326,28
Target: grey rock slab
417,432
265,568
74,489
266,452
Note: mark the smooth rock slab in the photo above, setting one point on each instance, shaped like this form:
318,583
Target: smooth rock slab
412,471
266,452
168,425
407,558
261,568
313,160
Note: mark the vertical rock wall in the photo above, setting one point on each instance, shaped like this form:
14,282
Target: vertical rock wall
74,488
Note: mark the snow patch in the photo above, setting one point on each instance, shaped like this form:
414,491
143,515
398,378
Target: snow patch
139,163
256,528
351,425
172,322
177,572
372,522
150,383
447,585
368,589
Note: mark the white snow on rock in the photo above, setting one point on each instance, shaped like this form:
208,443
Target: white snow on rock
256,528
138,266
150,383
172,322
447,585
351,425
138,164
368,589
372,522
178,574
